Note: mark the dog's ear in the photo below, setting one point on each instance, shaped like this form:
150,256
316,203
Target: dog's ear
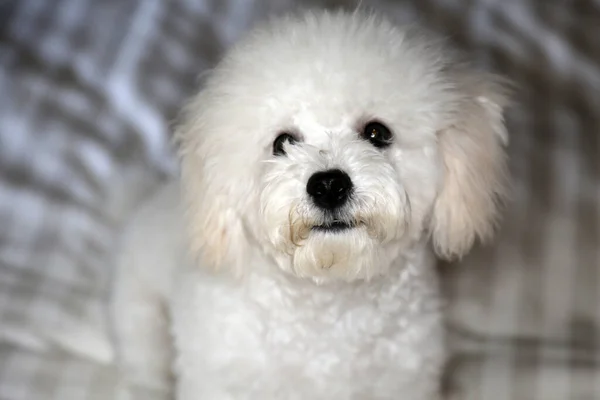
475,163
215,187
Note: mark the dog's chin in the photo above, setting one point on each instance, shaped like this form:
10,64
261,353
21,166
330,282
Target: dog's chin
338,251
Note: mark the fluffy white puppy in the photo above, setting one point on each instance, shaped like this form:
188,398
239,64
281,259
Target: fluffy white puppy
326,157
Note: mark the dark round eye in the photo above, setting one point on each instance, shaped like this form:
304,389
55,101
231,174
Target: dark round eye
280,141
378,134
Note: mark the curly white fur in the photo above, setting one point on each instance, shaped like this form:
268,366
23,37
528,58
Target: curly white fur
261,304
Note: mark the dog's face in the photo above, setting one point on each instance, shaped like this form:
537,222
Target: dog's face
334,143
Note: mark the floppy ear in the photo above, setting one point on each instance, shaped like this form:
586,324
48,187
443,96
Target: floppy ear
214,187
476,174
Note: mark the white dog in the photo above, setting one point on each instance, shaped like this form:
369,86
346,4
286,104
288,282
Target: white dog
326,157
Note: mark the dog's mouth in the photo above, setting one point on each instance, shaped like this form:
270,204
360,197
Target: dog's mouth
334,227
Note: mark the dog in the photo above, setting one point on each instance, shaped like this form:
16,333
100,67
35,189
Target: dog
327,160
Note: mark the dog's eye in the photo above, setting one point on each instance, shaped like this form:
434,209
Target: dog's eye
280,141
378,134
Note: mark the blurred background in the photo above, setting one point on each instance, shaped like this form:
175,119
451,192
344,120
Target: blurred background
88,93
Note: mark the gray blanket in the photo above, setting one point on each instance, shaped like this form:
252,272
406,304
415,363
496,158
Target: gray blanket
88,90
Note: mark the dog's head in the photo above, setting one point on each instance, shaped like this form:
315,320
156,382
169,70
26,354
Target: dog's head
335,142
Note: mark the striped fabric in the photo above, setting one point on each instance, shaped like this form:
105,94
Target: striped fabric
88,89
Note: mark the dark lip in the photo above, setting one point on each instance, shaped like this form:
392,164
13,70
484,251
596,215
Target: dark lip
336,226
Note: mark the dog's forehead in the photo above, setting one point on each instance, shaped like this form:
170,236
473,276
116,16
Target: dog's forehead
312,125
325,93
331,76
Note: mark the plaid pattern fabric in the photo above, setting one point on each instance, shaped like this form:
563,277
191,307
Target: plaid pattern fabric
89,89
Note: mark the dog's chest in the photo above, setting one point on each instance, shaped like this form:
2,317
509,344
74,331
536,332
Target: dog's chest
318,341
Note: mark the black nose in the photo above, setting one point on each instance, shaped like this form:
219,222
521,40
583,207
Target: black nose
329,189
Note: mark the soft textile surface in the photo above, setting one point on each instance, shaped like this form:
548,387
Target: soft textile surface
90,87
